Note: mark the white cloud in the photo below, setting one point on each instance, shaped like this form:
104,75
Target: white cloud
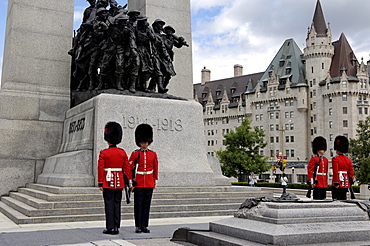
250,32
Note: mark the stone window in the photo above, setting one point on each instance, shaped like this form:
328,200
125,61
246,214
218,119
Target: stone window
330,111
345,123
345,110
344,97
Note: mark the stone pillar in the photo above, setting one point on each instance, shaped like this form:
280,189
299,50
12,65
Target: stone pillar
34,93
176,14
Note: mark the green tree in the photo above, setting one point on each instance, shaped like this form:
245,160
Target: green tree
359,150
242,151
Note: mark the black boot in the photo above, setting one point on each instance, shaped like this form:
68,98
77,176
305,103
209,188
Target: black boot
152,84
102,83
115,231
119,82
131,83
93,81
161,89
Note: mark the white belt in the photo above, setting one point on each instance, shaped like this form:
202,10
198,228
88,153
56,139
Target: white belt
144,173
320,173
113,169
109,172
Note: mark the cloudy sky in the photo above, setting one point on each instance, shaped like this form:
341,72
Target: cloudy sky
250,32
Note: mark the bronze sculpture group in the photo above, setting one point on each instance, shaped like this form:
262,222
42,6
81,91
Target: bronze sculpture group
117,49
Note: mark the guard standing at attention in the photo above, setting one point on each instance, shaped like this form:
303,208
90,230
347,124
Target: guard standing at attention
144,166
343,173
318,169
112,166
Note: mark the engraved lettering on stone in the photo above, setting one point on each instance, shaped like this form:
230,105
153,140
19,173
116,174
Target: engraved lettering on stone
76,126
165,124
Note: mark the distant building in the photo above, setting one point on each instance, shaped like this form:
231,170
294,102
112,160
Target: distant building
322,91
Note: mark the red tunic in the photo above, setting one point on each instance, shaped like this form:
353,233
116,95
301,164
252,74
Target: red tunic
110,160
342,171
147,170
321,171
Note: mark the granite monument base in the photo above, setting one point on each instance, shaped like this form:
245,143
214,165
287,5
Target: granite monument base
178,139
289,223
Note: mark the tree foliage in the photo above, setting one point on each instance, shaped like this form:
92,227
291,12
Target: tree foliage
359,150
242,151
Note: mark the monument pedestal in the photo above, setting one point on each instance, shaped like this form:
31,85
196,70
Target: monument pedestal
177,131
289,223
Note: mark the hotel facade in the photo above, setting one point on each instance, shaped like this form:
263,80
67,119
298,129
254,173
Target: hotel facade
320,91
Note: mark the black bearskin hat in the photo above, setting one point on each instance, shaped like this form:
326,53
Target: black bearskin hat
341,144
143,133
319,143
113,133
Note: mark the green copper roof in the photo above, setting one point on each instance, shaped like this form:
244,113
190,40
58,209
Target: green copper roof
288,62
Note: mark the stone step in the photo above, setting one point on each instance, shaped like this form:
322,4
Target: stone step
206,238
45,203
20,218
44,195
64,190
59,197
33,212
95,190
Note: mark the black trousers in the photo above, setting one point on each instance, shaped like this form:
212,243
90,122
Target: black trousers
142,200
319,193
339,193
112,204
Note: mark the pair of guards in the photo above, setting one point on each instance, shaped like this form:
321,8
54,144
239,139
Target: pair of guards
343,173
116,172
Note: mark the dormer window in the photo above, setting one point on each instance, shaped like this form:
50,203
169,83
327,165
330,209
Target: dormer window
281,63
204,95
218,93
232,90
288,70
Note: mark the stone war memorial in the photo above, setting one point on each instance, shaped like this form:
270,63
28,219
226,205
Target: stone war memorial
60,87
52,132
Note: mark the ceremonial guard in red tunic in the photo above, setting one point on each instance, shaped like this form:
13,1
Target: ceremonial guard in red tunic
318,169
112,166
144,164
343,173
